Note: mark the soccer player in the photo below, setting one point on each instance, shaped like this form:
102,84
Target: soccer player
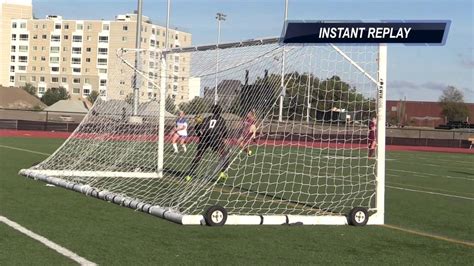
249,131
180,132
212,133
372,139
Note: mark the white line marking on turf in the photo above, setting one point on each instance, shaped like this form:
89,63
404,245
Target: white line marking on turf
20,149
63,251
428,174
431,192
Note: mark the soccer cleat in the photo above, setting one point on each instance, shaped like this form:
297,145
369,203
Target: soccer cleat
249,153
188,178
223,176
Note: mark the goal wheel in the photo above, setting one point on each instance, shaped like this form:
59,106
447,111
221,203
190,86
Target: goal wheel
358,216
215,216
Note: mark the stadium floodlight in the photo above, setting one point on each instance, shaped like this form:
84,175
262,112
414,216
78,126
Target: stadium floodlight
314,170
219,17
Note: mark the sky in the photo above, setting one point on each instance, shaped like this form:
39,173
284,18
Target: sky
418,73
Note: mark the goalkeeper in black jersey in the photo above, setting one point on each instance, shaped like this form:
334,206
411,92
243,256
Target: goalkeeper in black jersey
212,133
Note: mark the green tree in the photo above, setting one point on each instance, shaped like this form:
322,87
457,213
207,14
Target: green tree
28,87
170,105
93,96
452,104
53,95
196,106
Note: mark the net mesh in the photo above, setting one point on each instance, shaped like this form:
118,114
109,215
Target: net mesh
280,144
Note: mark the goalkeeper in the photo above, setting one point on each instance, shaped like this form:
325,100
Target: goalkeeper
212,132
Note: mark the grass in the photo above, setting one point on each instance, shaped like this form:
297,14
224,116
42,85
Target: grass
109,234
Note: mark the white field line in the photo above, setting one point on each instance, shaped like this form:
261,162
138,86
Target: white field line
428,174
20,149
430,192
440,165
61,250
429,188
454,159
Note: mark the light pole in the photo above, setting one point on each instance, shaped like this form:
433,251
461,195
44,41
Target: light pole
282,93
220,17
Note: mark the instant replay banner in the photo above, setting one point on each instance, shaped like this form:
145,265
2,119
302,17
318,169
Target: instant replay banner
406,32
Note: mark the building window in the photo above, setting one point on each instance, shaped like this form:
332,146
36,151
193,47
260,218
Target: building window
103,82
54,69
103,51
54,50
12,58
44,36
35,37
66,26
64,49
79,26
76,38
124,38
76,90
104,39
23,59
105,27
88,60
42,79
55,79
86,70
103,71
12,78
88,38
23,48
12,68
76,80
35,48
13,48
87,81
176,68
57,26
23,37
63,79
86,91
41,90
13,37
54,59
33,78
33,68
55,38
76,70
43,58
89,27
43,26
103,92
125,27
88,49
14,25
76,50
102,61
76,61
22,68
23,25
175,87
66,37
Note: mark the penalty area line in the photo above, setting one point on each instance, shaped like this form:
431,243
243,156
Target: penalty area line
438,237
61,250
20,149
429,192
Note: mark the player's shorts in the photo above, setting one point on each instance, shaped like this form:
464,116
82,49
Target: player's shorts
369,144
182,136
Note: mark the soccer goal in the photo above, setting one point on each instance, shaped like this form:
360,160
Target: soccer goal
287,144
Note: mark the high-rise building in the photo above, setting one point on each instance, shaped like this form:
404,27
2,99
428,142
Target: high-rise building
80,55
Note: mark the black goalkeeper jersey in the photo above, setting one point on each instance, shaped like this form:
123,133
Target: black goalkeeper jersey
212,128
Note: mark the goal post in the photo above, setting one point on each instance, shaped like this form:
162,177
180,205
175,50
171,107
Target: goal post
258,158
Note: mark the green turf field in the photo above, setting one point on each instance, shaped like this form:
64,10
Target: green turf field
429,210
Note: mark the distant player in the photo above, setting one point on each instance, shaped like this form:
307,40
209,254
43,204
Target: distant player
180,132
212,133
249,131
372,137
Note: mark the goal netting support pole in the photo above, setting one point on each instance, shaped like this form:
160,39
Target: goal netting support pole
270,153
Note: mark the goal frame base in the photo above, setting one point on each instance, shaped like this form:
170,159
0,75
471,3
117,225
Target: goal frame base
184,219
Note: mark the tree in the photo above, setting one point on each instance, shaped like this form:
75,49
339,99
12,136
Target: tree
452,104
30,89
53,95
196,106
169,105
93,96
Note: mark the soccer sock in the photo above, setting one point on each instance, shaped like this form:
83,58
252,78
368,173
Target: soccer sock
175,147
184,148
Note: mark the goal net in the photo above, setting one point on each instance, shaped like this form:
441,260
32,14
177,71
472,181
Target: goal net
288,142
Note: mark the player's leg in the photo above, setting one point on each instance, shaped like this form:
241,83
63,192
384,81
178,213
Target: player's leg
174,140
182,141
200,150
224,160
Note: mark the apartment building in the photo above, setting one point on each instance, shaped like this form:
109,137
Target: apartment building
81,55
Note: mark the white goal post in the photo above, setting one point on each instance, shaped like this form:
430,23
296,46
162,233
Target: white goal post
248,161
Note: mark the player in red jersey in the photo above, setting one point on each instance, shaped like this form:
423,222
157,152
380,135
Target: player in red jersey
249,131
